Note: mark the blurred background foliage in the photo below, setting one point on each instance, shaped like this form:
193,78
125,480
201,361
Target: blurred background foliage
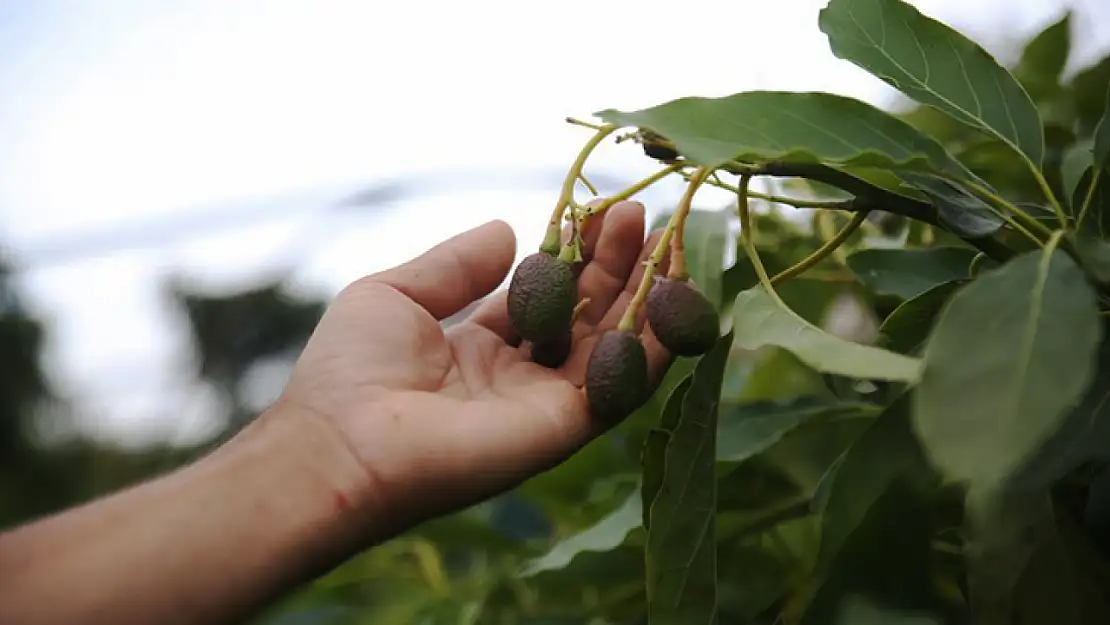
566,547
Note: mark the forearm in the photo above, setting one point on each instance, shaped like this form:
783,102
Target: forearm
207,544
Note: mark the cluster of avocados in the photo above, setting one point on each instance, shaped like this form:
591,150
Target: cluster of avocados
542,298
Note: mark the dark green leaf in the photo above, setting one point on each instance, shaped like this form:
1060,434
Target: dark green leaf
606,535
789,126
1075,162
909,273
681,556
748,430
655,447
1102,137
1084,435
905,329
1093,202
759,321
1044,57
1088,91
935,65
957,209
886,450
707,233
859,611
1010,353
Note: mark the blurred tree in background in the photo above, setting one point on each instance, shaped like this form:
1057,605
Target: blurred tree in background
567,546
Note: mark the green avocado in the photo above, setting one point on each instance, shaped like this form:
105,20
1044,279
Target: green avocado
616,376
553,352
542,294
682,317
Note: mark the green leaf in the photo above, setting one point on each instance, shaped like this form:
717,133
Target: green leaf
707,234
1010,353
681,556
1081,438
606,535
906,328
958,209
886,450
759,321
748,430
1075,162
1044,58
935,65
860,611
788,126
1096,199
655,447
1088,91
1102,137
906,273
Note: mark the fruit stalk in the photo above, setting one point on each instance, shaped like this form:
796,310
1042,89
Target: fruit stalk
553,237
628,320
825,250
608,202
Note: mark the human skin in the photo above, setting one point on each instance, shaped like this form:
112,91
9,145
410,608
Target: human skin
386,421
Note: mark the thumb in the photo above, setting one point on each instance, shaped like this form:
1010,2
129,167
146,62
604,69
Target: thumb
455,273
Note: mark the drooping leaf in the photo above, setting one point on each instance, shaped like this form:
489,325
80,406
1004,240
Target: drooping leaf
607,534
1044,58
681,556
905,329
935,65
707,233
747,430
655,447
1009,355
957,209
886,450
907,273
759,320
788,126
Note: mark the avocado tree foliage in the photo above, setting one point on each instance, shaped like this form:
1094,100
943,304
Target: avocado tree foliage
952,468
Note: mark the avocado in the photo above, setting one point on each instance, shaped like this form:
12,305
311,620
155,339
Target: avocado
553,352
682,317
616,376
542,295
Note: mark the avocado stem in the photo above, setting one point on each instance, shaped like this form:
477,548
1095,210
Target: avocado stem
824,251
553,237
608,202
628,320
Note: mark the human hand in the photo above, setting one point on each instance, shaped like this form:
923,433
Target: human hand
440,420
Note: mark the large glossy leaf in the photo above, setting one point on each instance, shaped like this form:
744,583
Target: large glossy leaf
906,273
886,450
935,65
760,321
707,234
1009,355
681,557
1075,162
606,535
747,430
1088,91
788,126
905,329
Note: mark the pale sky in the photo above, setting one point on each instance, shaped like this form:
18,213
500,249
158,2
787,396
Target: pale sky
115,113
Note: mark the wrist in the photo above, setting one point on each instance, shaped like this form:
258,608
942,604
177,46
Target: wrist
310,464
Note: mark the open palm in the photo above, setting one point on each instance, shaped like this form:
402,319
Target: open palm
444,419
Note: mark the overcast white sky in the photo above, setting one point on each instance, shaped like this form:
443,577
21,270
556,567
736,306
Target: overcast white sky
118,112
